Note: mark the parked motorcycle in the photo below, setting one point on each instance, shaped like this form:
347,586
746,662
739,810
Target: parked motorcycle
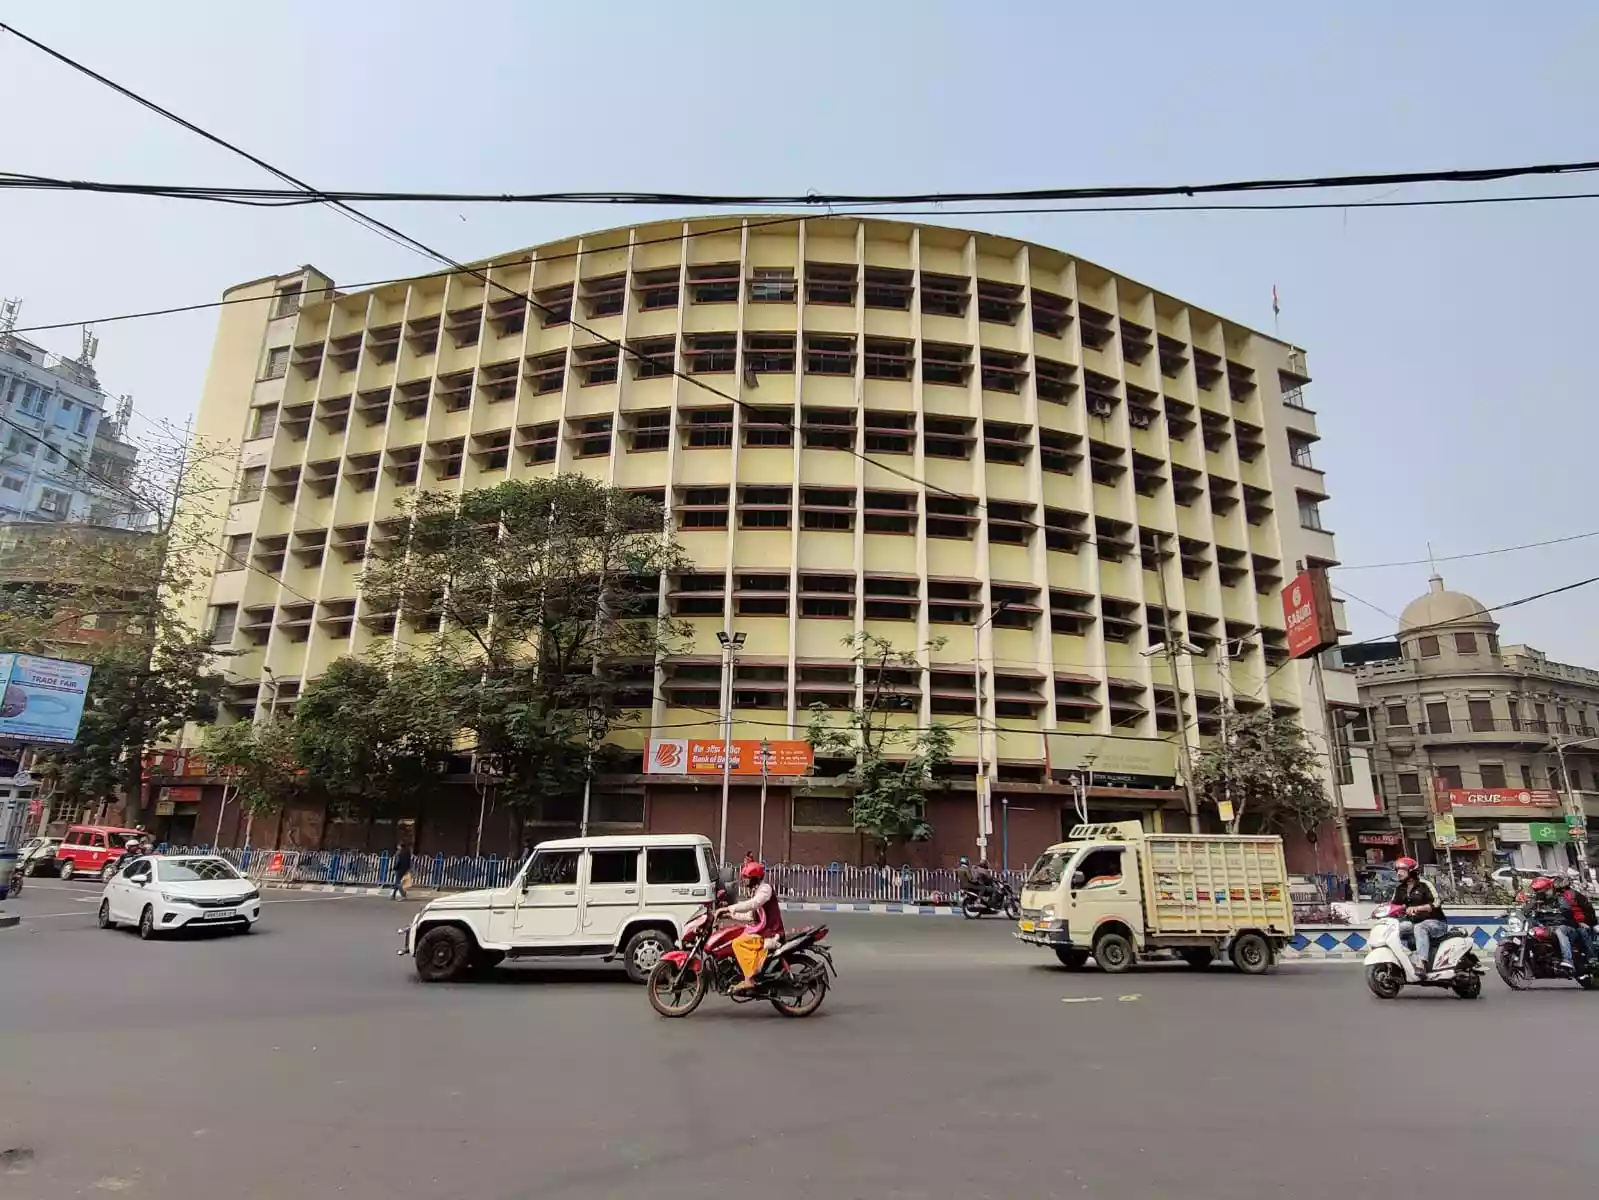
1389,966
793,978
1530,950
1001,898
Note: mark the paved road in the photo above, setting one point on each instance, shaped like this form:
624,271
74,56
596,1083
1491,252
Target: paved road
306,1060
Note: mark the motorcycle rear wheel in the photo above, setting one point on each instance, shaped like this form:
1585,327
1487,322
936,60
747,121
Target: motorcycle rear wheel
1468,987
676,991
810,999
971,908
1509,970
1385,980
1013,907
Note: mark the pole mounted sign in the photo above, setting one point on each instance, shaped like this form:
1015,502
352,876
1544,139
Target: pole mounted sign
41,699
697,756
1308,614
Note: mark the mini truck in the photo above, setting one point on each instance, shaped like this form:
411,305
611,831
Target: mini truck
1118,893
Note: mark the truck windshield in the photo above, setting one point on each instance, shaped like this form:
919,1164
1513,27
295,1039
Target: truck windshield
1050,869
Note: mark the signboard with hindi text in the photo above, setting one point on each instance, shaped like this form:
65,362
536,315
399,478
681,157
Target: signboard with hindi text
701,756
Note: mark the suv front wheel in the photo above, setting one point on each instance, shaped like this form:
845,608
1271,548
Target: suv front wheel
443,953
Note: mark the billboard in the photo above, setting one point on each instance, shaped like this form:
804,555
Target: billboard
1308,614
1503,798
695,756
41,699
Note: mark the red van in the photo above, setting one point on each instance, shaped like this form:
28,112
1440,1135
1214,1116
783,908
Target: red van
92,850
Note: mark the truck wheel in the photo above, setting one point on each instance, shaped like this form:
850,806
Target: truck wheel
643,951
1113,953
1072,957
443,954
1198,957
1251,954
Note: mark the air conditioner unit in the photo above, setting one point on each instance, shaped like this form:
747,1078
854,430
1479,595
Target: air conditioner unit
1099,408
1139,418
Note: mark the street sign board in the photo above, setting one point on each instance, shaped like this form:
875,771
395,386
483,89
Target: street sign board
695,756
1308,614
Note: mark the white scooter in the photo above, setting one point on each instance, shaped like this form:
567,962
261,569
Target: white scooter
1389,965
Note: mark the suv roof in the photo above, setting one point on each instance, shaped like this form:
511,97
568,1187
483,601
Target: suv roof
637,839
102,829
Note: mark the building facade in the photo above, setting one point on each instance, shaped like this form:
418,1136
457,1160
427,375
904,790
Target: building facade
853,426
63,447
1454,717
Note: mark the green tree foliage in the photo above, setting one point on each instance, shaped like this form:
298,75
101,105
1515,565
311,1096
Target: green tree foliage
545,595
112,598
258,761
1271,772
895,761
375,736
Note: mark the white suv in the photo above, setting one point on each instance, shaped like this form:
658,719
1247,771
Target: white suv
600,897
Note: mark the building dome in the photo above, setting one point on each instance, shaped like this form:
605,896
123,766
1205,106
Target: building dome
1443,607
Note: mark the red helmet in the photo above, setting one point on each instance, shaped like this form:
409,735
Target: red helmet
753,872
1407,864
1542,884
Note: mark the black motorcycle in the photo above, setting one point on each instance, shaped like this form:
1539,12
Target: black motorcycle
1531,950
999,898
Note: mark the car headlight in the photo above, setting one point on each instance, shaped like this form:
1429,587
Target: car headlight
1047,911
169,898
252,895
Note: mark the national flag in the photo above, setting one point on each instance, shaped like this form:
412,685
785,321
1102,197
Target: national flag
1275,307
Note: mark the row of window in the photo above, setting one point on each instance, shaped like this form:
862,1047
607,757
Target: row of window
1495,775
1482,716
33,400
1430,646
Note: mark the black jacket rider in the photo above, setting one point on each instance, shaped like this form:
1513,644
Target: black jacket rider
1417,891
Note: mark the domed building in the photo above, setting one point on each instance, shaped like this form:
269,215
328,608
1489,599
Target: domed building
1458,721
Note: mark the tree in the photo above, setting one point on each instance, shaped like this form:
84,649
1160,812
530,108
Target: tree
544,593
895,763
375,735
258,760
114,597
1270,771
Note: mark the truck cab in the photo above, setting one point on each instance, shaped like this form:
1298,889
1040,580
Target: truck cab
625,897
1119,893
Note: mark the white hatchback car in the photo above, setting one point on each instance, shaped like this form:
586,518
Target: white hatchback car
157,894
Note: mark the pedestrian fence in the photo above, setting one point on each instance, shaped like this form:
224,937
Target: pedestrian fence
453,872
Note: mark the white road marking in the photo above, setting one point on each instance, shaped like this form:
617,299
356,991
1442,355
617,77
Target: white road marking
47,916
1130,996
1081,999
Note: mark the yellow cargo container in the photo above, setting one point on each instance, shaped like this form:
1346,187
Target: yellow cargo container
1118,893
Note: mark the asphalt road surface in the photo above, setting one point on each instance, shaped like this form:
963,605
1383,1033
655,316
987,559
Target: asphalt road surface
306,1060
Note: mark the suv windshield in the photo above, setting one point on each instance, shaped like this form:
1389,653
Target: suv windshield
1049,869
123,840
193,870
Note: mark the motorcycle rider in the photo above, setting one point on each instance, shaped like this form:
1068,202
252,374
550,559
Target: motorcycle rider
983,882
1569,914
762,917
963,875
1423,916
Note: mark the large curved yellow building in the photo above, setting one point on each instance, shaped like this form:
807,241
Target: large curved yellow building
872,425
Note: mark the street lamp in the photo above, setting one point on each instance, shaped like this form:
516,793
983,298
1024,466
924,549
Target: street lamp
732,643
1573,805
982,770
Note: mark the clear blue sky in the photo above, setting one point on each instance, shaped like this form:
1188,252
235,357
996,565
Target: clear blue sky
1449,346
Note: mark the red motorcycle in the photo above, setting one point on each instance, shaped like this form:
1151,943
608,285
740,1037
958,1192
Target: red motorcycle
793,977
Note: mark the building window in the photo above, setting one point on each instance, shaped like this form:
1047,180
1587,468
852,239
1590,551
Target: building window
654,358
287,301
250,484
1051,313
1465,643
235,552
1438,717
711,353
649,430
554,305
11,483
1526,776
657,289
547,372
829,355
889,358
702,508
760,596
829,283
764,507
277,363
1493,775
85,419
591,435
945,295
1310,512
597,364
890,432
769,354
827,509
890,512
1482,715
1428,646
826,596
707,427
224,617
605,296
53,503
828,428
1409,784
1449,776
63,416
263,421
888,288
768,427
770,285
715,283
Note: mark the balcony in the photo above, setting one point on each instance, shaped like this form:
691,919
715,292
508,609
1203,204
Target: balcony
1484,732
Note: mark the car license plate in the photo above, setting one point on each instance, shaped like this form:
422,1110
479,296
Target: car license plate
220,914
1027,927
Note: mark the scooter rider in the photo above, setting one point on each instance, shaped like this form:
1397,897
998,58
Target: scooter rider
1423,916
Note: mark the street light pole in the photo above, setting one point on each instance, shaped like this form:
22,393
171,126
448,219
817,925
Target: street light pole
982,770
1572,804
766,762
731,643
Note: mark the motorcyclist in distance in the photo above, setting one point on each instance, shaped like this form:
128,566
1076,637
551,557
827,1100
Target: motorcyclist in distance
1569,913
983,881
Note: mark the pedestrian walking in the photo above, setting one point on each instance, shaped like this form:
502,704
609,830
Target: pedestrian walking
402,871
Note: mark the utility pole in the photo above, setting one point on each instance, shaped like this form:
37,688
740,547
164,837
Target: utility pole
1573,807
983,816
1225,680
1340,816
731,644
1190,797
766,763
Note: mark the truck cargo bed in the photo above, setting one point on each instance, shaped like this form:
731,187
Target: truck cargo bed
1198,884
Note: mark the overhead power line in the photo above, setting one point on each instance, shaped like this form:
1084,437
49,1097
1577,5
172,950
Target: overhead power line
298,194
1438,558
